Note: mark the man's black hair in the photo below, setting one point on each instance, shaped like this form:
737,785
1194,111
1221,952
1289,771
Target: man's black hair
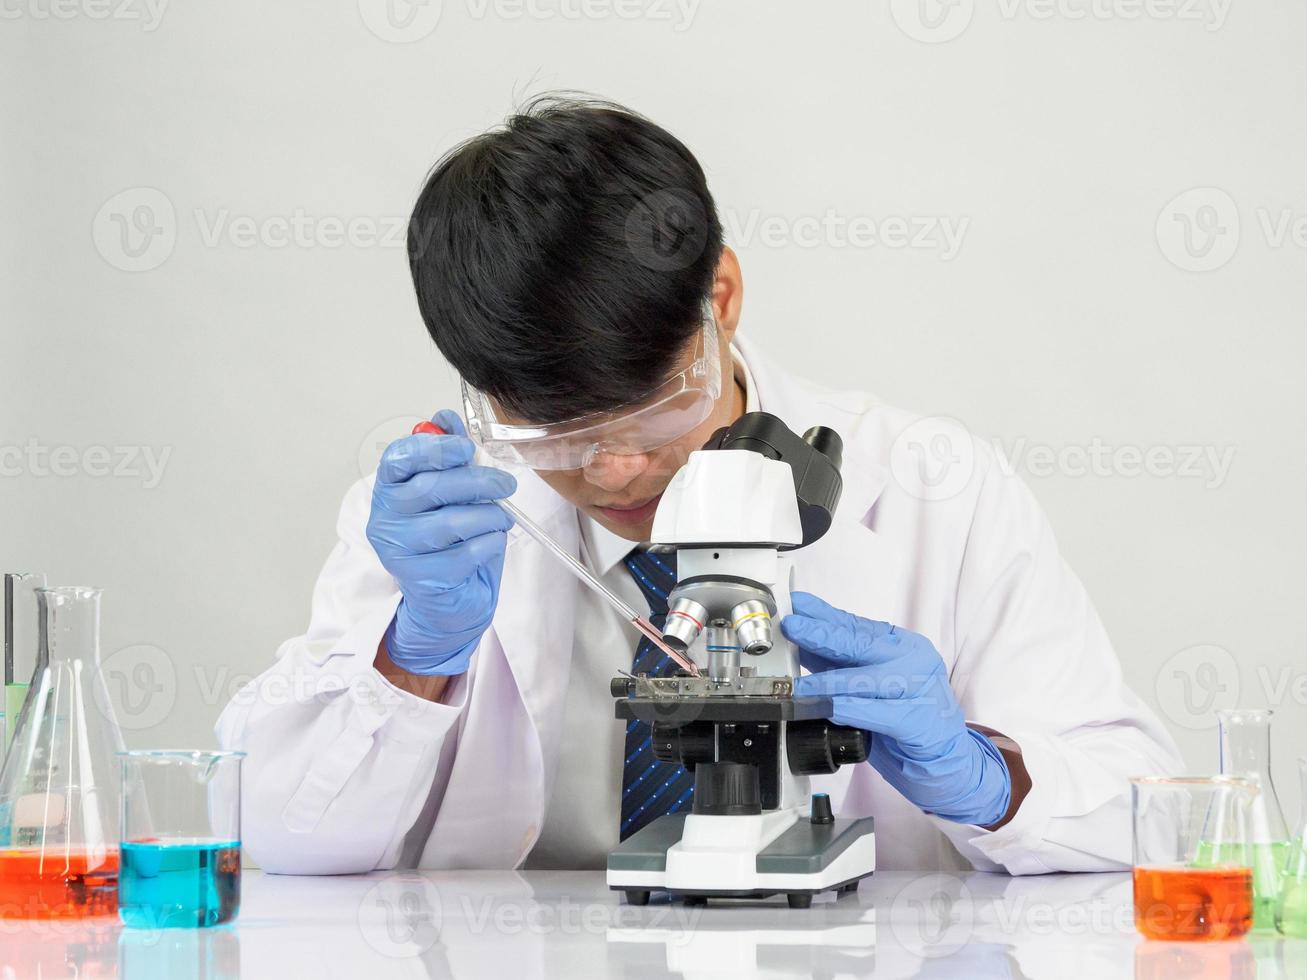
561,262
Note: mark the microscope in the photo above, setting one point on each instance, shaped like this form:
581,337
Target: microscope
732,514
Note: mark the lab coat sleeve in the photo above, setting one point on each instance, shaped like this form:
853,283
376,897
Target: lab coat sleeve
1035,663
339,762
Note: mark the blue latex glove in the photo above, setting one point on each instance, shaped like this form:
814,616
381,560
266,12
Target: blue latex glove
436,532
891,682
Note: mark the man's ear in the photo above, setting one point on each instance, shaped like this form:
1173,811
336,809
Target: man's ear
728,293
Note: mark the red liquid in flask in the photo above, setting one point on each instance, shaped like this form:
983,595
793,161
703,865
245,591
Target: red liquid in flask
57,884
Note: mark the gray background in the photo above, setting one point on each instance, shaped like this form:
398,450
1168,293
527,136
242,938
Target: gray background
1066,141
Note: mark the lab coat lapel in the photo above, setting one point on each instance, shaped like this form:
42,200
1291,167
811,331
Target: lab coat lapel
851,566
535,619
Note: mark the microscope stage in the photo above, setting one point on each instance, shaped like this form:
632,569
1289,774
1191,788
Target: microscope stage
682,709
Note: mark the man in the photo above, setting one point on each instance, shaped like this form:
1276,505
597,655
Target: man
449,704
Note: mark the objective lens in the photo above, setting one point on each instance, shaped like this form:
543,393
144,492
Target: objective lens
685,619
752,622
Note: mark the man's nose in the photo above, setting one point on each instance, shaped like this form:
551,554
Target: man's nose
613,471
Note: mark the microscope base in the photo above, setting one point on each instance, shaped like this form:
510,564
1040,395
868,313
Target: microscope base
777,852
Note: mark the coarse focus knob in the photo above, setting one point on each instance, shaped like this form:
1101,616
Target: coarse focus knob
848,745
726,789
817,748
685,744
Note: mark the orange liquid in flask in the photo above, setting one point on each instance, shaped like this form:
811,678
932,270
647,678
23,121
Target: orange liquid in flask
1193,903
57,884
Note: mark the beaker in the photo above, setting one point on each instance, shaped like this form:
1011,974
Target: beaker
181,843
1192,861
1246,751
1291,908
58,789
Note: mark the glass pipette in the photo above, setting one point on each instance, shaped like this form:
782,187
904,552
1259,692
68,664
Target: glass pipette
650,631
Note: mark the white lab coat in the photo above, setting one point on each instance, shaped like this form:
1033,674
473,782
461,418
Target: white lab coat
346,774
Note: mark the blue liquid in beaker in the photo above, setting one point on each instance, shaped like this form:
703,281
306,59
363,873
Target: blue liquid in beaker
179,884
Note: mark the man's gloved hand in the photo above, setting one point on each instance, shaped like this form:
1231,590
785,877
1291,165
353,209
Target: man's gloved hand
892,683
436,531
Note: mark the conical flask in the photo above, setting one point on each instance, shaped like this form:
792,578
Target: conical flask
59,788
1291,911
1246,751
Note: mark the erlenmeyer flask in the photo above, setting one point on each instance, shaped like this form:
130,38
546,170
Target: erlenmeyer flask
1246,751
59,786
1291,911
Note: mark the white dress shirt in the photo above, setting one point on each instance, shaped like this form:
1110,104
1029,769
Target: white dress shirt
582,817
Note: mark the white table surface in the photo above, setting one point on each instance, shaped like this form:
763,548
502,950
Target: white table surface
539,924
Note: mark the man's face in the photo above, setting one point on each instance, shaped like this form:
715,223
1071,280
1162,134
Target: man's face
621,491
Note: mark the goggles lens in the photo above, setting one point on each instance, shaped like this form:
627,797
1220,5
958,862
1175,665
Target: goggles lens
674,408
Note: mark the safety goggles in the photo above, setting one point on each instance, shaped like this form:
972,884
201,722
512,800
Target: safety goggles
655,419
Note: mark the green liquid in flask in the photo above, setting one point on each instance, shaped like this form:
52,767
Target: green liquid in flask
1267,860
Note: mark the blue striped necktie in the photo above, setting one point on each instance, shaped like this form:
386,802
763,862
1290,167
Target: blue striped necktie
651,788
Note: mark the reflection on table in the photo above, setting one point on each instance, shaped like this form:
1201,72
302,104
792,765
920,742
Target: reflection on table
538,924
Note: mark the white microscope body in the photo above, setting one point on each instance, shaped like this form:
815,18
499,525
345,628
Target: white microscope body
731,514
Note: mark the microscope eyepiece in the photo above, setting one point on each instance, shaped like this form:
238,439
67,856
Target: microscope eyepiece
827,442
